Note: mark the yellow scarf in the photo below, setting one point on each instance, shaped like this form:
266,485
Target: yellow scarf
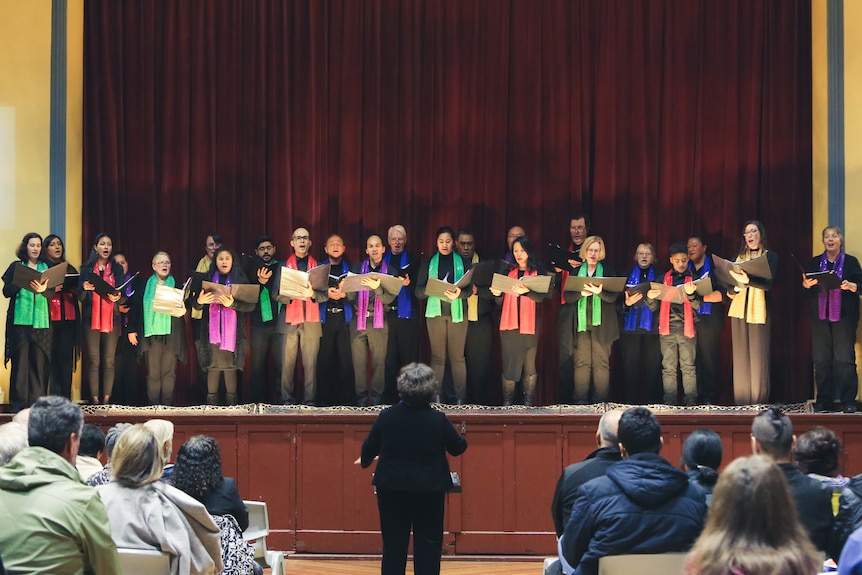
750,302
473,300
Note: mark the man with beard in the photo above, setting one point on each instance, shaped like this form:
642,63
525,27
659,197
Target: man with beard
265,338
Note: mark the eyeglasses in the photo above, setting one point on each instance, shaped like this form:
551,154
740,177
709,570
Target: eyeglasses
578,228
265,248
747,233
301,237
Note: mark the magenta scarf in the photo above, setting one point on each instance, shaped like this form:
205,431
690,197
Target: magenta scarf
222,322
829,302
364,295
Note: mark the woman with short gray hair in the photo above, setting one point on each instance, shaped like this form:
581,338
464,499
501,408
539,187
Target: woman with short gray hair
410,441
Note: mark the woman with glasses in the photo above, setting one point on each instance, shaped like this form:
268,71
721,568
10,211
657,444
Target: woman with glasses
749,319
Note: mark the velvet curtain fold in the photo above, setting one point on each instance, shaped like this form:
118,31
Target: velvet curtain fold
659,118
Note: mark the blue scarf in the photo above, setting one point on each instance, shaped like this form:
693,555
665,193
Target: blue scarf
705,307
348,309
631,321
405,306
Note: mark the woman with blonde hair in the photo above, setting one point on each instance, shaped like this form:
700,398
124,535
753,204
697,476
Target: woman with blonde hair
146,513
163,431
752,527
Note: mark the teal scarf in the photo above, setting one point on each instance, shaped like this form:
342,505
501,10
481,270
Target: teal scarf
582,302
155,323
433,308
32,308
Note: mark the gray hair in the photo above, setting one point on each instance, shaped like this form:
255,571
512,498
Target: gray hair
417,384
113,435
608,426
13,438
397,228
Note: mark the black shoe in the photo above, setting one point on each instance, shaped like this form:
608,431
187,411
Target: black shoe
824,407
850,407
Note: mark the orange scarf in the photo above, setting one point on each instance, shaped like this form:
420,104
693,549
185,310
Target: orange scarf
523,319
664,318
301,310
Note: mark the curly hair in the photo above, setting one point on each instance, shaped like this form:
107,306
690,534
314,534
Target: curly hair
197,470
817,451
417,384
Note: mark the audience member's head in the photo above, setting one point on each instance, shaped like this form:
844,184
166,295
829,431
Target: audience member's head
702,452
639,432
55,423
752,525
163,430
13,438
607,433
817,451
137,457
198,470
92,441
112,436
772,434
22,417
416,384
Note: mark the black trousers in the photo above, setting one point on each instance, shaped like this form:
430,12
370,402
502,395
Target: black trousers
29,378
403,348
62,357
401,511
335,363
834,354
641,357
266,341
566,343
708,359
477,352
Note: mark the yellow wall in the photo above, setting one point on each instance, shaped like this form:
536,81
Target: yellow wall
25,61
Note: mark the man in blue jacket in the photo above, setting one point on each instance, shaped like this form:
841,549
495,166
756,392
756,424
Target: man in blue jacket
642,505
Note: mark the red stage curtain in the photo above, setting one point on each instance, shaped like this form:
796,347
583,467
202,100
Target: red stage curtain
659,118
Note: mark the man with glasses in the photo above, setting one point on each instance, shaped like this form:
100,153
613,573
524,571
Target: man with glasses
579,230
265,338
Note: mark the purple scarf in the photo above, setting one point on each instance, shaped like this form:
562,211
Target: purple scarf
831,299
405,306
364,295
631,322
222,322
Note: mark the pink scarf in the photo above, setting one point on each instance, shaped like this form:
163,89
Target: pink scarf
102,318
832,311
222,323
364,296
299,310
525,321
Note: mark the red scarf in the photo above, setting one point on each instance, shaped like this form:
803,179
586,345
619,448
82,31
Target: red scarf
511,318
664,318
102,318
301,310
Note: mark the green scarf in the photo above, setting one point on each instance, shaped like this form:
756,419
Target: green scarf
32,308
155,322
582,302
432,309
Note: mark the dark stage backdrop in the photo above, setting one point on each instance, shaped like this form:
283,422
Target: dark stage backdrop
659,118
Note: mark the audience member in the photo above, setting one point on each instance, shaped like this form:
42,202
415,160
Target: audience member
198,472
701,458
52,522
594,465
163,430
753,528
146,513
772,435
22,417
642,505
13,438
104,476
850,562
816,453
92,447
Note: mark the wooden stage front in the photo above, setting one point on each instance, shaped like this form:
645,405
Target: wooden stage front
300,461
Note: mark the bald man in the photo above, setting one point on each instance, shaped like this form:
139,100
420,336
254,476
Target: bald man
299,321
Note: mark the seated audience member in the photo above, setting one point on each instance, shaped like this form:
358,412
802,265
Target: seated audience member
146,513
643,504
13,438
772,435
701,458
52,523
850,562
22,417
163,430
104,476
594,465
92,446
817,452
198,472
753,528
